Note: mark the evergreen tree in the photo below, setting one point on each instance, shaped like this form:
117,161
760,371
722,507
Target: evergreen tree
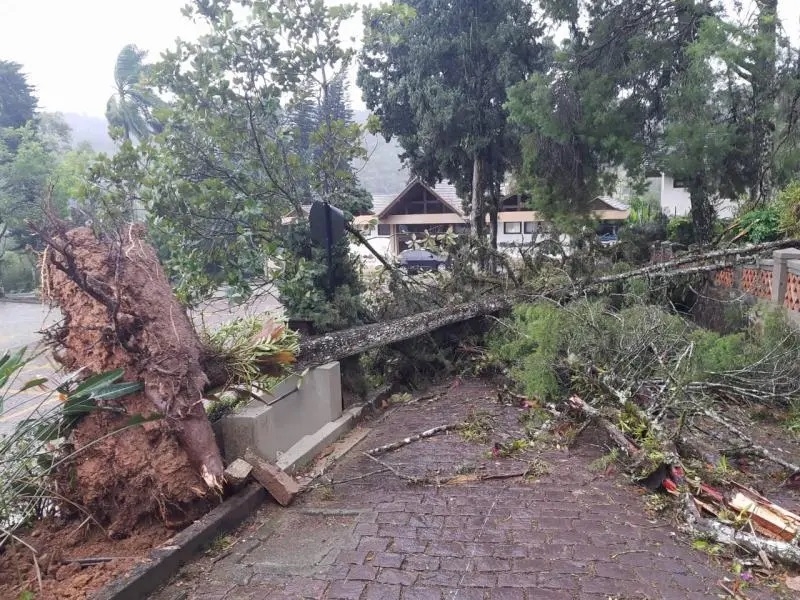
435,74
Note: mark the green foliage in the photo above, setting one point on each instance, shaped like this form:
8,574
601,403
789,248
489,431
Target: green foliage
681,231
551,350
130,111
435,74
532,346
305,283
39,445
715,353
254,132
17,272
17,99
254,350
635,240
788,207
758,225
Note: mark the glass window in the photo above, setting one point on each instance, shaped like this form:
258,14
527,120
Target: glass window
530,226
384,230
515,227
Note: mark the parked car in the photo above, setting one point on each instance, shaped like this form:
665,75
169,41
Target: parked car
608,239
421,260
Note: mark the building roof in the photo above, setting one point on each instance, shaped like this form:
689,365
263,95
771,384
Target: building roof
614,204
446,192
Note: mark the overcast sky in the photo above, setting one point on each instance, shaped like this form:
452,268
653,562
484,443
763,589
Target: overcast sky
68,48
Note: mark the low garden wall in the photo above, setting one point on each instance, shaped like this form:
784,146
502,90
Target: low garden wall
775,279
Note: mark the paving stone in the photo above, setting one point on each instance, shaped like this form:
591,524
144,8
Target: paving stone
396,576
381,591
362,573
569,536
422,562
422,593
346,590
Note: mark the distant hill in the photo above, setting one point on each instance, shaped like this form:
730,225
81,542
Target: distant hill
93,130
382,173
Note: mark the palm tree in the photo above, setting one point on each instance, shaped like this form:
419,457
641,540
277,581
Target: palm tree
131,107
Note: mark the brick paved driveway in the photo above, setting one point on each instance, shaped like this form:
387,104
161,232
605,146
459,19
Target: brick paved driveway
570,534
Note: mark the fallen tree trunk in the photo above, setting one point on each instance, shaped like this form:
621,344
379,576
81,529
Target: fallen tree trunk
156,452
342,344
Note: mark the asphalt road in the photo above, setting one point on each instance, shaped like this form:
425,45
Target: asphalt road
21,323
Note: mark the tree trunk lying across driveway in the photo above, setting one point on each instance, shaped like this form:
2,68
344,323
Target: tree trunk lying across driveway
349,342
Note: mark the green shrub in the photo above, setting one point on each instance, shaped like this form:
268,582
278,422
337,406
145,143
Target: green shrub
16,273
760,225
681,231
530,345
715,353
788,208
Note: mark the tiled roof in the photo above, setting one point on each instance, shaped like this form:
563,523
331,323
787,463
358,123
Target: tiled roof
615,204
445,190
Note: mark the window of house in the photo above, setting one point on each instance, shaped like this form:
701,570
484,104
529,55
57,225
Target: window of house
678,183
513,227
530,227
384,230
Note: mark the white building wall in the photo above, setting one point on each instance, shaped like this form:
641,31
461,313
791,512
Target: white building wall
676,202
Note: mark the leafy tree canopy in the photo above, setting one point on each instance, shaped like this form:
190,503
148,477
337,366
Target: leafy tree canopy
435,74
17,99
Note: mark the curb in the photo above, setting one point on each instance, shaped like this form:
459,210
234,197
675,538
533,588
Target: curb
304,451
166,560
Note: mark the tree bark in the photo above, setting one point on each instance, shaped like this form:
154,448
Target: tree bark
765,97
702,211
477,212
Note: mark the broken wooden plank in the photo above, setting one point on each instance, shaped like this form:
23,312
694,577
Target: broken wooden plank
281,486
777,526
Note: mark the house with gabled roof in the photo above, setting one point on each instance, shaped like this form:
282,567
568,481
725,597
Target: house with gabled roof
422,208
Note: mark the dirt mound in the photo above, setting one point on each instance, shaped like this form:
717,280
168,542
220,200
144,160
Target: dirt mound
153,452
59,546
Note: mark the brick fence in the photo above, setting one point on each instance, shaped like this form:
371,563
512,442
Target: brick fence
776,279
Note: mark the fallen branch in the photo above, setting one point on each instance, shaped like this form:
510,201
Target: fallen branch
755,448
332,482
614,432
413,438
395,472
720,533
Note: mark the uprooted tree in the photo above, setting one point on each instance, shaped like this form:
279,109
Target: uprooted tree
154,452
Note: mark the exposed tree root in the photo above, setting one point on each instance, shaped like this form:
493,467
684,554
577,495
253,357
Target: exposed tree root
119,312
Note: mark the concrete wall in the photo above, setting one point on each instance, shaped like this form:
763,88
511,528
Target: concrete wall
300,408
775,279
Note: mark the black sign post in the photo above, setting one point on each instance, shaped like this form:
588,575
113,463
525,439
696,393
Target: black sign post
327,228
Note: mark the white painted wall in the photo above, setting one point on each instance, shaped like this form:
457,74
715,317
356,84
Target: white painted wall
675,201
381,243
509,220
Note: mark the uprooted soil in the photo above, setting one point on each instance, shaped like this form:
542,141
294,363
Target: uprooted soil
57,545
154,453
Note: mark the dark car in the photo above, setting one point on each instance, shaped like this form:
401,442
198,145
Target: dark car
421,260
